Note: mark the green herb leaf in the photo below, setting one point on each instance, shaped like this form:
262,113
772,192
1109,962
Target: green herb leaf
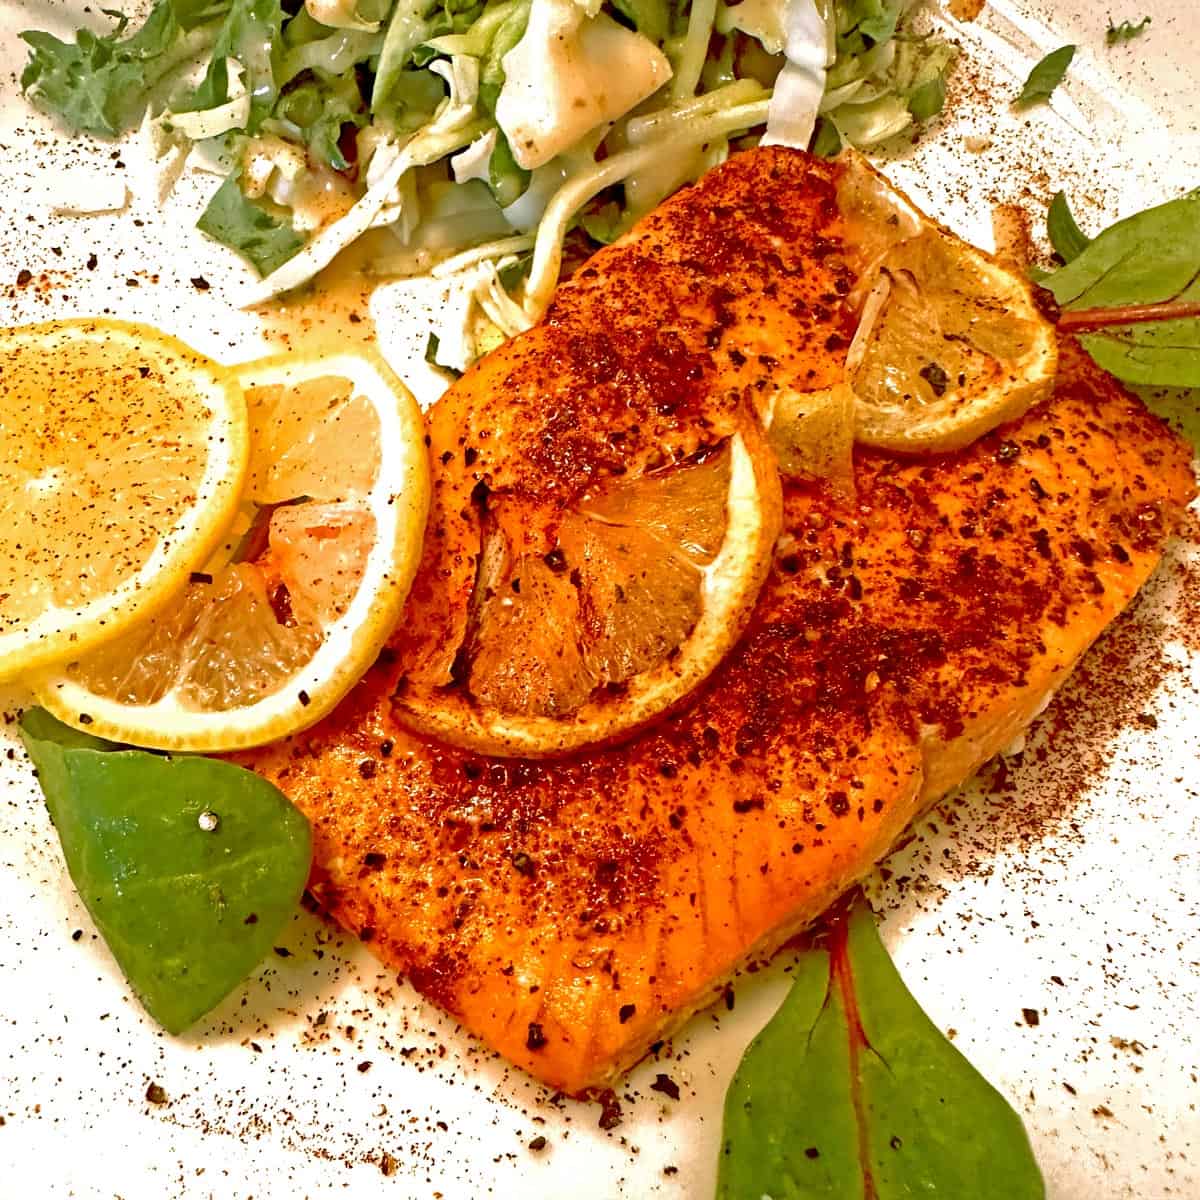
851,1091
826,140
1065,235
506,177
264,240
873,19
651,18
928,99
99,84
1152,258
1046,76
187,911
1125,32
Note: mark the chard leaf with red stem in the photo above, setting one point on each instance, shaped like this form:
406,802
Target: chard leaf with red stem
852,1093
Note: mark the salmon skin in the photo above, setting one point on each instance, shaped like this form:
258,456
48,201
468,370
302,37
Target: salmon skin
571,912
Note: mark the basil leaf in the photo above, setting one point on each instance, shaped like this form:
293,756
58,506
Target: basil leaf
1125,32
1150,258
264,240
1065,235
187,912
1045,76
851,1091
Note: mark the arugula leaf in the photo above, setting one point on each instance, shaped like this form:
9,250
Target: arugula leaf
187,906
852,1091
1125,32
1120,286
264,240
1045,76
1065,235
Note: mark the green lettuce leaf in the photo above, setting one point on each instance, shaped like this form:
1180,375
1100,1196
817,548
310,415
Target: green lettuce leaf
264,240
851,1091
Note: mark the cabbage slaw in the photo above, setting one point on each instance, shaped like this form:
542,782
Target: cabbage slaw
478,133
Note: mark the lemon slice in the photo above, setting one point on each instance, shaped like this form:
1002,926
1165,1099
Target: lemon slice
646,586
951,342
269,638
122,453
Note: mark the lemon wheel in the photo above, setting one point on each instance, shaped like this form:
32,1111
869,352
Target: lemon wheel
648,585
301,598
951,342
122,455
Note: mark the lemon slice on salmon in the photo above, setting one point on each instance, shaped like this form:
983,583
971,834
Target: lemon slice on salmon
649,582
951,342
271,635
122,453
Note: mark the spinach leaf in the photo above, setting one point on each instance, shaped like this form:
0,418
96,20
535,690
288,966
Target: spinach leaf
264,240
1045,76
1134,292
187,907
1125,32
1065,235
851,1091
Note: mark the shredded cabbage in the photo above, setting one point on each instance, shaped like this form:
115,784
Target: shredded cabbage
479,133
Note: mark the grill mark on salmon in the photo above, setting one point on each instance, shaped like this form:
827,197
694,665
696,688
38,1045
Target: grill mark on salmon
899,642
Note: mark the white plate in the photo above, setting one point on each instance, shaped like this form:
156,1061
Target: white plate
1071,890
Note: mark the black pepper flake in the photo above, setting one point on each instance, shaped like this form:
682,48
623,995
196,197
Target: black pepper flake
155,1094
535,1039
936,377
895,1143
77,935
811,1152
366,933
303,697
625,1012
282,951
85,718
1030,1015
24,277
200,577
252,919
386,747
666,1085
523,864
1008,451
364,1066
92,262
367,768
556,560
200,283
538,1144
610,1113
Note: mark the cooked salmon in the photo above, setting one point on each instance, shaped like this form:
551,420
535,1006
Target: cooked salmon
570,912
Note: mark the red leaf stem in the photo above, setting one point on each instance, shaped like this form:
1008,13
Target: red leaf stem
1081,320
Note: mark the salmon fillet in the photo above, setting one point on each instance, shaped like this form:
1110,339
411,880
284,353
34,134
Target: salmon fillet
571,912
